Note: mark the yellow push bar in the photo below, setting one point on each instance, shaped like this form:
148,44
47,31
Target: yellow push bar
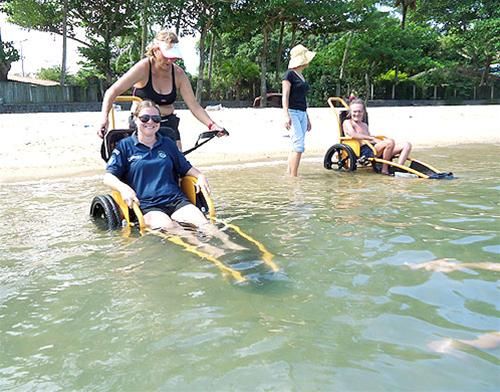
121,98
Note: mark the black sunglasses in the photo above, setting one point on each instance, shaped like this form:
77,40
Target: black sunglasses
146,117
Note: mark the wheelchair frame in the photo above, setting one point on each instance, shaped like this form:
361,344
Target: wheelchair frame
112,209
345,155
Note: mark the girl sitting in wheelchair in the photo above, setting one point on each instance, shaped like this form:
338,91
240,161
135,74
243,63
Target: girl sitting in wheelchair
387,148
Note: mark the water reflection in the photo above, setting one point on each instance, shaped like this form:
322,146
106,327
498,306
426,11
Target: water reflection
87,309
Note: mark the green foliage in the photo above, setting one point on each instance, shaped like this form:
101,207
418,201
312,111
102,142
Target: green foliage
443,41
8,54
36,14
52,73
238,76
85,77
390,76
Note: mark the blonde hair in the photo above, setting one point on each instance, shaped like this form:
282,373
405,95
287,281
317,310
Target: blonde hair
358,101
145,104
162,36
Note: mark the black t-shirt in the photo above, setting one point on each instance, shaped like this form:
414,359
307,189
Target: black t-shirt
298,91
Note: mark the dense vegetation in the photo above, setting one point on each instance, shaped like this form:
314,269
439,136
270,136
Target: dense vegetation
362,45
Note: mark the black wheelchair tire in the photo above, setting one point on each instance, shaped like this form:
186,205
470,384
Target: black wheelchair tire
115,209
103,213
348,164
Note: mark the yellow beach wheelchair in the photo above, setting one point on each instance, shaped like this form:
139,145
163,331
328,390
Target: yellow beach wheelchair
110,211
349,153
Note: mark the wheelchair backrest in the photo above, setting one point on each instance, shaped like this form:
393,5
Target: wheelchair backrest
343,115
110,140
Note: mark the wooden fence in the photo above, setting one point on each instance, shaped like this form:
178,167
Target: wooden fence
24,93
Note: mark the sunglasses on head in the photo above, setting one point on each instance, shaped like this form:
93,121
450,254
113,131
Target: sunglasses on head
146,117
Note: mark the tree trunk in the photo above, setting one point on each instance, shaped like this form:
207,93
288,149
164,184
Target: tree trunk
179,19
210,65
64,42
237,92
280,52
344,62
367,81
144,33
4,71
396,81
4,66
486,72
108,71
201,66
294,34
263,68
404,10
367,86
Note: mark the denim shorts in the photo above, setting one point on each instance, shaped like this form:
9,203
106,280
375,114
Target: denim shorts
366,151
298,129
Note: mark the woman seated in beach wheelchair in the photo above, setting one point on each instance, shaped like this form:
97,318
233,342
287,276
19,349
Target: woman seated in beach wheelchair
144,170
357,147
114,212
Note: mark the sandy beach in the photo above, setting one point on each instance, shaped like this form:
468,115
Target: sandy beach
51,145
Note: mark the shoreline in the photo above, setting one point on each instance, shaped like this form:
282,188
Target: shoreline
53,145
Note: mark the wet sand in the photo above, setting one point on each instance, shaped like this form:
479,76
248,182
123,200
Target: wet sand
51,145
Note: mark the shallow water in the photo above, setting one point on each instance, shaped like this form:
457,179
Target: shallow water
85,309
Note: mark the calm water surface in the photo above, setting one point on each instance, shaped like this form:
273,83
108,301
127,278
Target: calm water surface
84,309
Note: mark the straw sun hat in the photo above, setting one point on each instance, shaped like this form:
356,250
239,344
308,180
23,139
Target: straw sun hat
299,55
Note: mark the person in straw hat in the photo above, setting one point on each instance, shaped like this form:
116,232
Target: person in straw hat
294,90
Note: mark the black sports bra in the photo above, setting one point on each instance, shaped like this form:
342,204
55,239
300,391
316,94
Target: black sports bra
148,92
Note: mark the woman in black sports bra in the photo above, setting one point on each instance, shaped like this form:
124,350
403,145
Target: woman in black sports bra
157,78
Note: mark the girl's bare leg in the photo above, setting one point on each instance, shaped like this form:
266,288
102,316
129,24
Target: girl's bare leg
160,220
192,215
403,149
386,149
293,163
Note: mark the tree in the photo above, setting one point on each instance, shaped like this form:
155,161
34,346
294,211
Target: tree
239,73
405,5
479,46
471,28
102,21
8,55
64,37
190,17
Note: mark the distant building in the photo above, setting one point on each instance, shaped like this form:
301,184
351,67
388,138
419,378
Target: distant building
27,79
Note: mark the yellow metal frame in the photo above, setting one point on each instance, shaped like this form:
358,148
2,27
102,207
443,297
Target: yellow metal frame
188,186
355,145
267,256
143,229
120,98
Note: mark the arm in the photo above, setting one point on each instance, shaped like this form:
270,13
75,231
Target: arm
202,180
128,194
285,91
192,104
132,76
353,133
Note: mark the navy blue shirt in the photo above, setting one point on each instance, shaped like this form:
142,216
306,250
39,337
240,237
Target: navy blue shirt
152,173
298,91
